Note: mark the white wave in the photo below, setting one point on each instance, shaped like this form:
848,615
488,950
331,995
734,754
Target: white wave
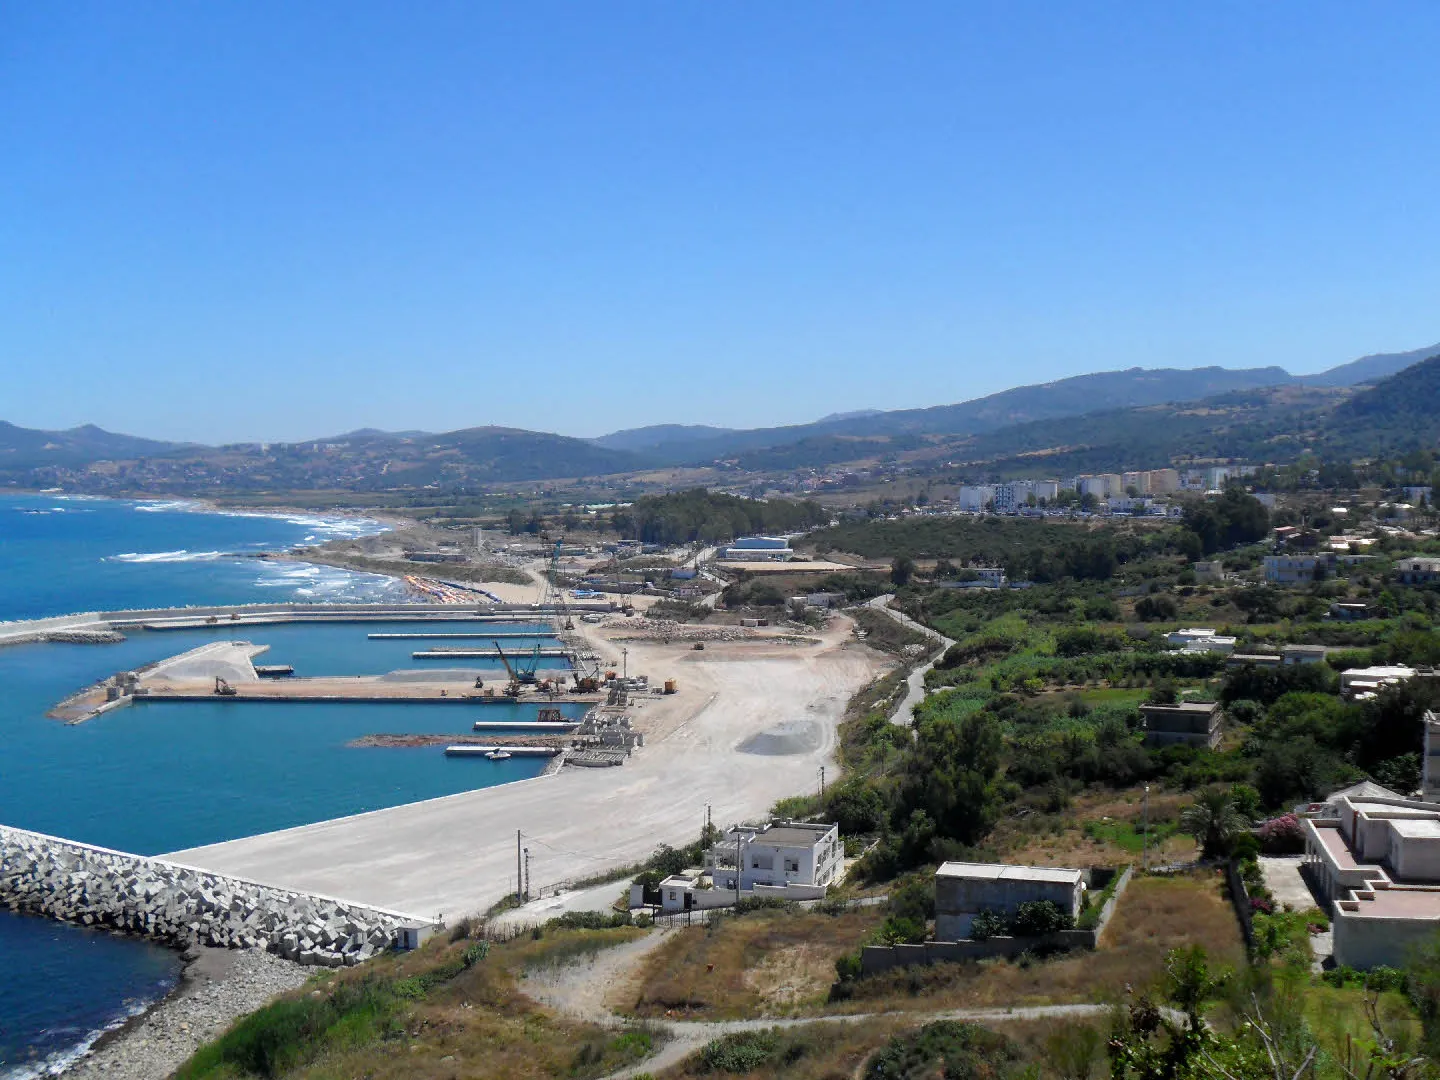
59,1062
169,506
165,556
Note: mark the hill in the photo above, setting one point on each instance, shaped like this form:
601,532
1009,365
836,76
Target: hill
1398,413
1369,369
648,438
361,461
1065,397
28,448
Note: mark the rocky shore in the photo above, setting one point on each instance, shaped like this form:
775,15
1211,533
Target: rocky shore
218,987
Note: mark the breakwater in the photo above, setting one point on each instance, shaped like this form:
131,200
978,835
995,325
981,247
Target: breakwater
183,905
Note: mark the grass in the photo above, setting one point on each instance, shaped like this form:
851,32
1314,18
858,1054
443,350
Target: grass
1094,829
1155,915
766,963
448,1010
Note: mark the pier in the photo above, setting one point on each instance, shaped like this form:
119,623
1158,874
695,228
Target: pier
490,654
502,635
477,750
529,727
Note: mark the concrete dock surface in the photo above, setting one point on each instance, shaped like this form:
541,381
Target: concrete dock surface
456,855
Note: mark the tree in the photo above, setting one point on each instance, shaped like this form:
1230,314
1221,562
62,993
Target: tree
1214,821
901,570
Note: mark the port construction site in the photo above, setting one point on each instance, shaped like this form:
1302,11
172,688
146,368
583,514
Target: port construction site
745,723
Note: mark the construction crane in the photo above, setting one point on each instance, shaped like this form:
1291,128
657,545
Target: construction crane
517,673
586,675
554,591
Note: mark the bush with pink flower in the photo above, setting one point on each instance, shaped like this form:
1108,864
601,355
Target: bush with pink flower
1281,835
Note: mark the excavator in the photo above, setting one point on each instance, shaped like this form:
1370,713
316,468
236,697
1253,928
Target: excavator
223,688
587,679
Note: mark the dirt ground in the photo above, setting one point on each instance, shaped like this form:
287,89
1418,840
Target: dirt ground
752,723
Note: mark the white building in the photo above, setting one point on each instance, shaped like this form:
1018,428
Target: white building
1365,681
1140,481
1374,857
963,890
1303,654
975,496
1417,571
1186,636
791,860
758,549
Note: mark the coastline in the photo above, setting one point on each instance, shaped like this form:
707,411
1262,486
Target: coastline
216,988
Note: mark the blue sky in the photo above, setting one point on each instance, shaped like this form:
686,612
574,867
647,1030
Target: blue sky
246,220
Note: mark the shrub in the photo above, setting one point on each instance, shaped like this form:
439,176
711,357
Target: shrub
1036,917
987,924
1281,836
847,967
959,1050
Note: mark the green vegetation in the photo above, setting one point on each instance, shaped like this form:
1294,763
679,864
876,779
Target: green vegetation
946,1048
700,516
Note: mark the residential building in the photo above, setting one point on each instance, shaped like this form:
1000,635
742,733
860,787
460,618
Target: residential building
1373,857
1367,681
1140,481
788,860
1047,490
1192,723
1421,494
991,576
1194,633
777,854
1430,763
975,496
1350,610
1262,660
1163,481
1295,569
1303,654
963,890
1209,572
1417,571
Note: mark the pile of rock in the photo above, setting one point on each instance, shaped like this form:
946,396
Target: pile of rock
185,906
84,637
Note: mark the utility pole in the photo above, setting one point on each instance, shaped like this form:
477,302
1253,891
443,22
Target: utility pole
625,665
519,873
527,873
822,781
737,868
1145,842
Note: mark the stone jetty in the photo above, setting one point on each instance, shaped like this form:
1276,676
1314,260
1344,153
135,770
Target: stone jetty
182,905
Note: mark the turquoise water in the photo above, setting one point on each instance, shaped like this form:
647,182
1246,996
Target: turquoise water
158,777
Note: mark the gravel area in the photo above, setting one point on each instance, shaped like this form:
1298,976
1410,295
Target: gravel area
219,986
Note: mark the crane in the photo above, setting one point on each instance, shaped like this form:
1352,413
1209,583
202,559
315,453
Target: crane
517,673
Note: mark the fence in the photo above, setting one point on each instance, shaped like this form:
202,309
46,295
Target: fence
1240,898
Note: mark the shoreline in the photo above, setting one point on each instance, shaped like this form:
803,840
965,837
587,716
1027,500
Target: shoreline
214,989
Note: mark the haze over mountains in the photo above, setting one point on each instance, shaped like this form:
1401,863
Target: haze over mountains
1091,419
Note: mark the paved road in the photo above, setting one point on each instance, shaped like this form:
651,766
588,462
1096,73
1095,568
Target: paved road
904,713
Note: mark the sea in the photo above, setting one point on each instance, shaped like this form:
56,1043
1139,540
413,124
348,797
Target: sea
162,776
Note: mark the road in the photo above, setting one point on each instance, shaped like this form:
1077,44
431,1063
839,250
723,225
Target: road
904,713
580,990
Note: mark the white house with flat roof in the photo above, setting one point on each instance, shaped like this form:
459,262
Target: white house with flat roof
1374,858
963,890
791,860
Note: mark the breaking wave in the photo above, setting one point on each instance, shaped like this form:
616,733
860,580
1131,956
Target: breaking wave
165,556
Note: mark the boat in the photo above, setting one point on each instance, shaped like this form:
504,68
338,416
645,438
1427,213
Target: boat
498,755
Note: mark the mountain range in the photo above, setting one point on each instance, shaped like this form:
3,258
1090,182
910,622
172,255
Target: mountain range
1137,413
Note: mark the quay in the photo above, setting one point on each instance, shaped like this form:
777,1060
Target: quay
484,637
473,750
102,626
545,727
489,654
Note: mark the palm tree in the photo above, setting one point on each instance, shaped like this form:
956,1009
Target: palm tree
1214,821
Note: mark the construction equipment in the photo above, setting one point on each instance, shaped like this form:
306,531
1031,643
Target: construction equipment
586,676
223,688
517,673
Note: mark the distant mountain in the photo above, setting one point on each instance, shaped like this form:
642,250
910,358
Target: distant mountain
28,448
825,439
648,438
1398,413
1369,369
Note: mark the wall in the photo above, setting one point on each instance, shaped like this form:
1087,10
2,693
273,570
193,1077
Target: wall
1364,942
959,900
877,958
179,904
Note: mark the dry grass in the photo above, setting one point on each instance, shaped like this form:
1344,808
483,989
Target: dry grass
767,963
1155,915
476,1025
1058,838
